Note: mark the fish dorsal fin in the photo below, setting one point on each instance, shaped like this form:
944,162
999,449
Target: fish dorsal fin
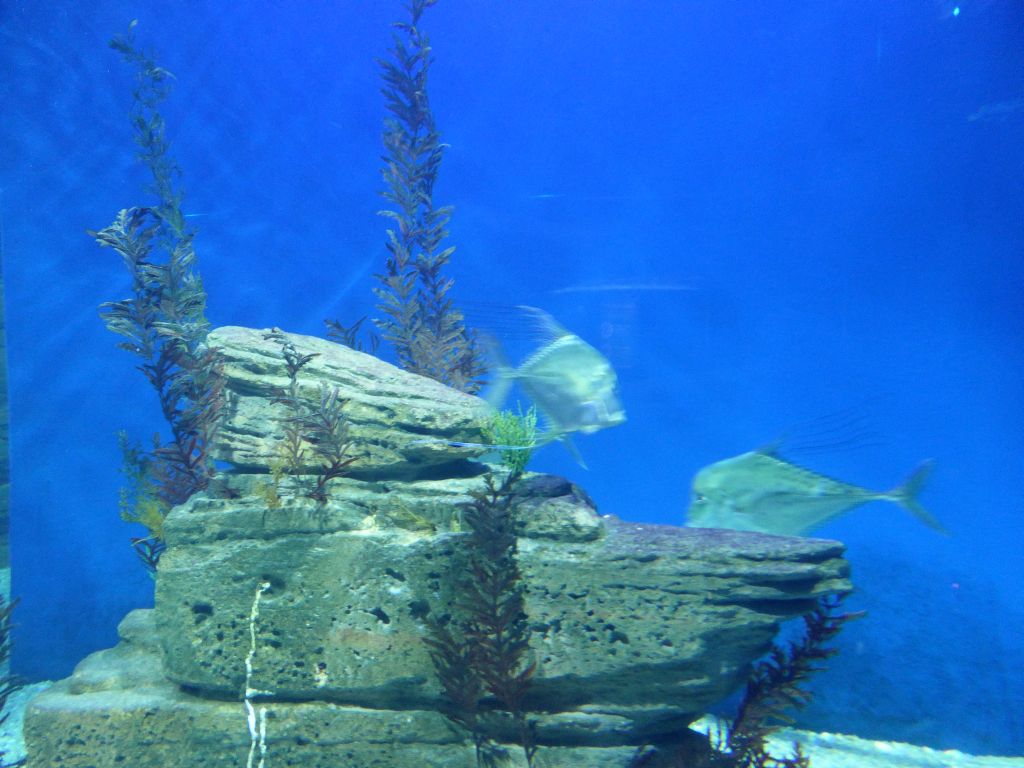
547,328
773,449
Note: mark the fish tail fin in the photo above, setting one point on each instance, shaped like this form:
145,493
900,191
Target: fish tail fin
906,494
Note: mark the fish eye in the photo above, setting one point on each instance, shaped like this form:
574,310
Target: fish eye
699,498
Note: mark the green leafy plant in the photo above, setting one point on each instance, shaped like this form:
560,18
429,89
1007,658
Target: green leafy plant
514,433
420,320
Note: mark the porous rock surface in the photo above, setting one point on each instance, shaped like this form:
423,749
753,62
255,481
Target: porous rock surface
399,423
636,629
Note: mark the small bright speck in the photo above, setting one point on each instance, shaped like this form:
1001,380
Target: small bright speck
956,11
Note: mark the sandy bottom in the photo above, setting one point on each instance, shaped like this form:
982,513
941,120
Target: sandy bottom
837,750
826,750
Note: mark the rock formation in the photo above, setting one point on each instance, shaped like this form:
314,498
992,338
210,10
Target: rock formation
319,611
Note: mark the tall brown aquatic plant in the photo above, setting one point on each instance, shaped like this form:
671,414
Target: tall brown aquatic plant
152,86
321,427
420,320
481,649
776,685
163,321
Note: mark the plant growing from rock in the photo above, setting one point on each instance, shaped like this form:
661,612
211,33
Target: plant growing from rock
481,654
420,320
163,321
326,430
321,428
514,434
775,686
291,451
163,324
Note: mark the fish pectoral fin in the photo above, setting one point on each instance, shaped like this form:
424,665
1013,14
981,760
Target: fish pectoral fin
573,451
906,493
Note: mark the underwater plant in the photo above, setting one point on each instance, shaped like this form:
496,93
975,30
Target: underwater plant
481,653
140,500
349,335
152,86
9,684
325,429
322,428
420,320
163,324
775,686
514,434
163,321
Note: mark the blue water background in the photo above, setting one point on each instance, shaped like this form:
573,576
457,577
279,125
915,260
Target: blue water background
806,171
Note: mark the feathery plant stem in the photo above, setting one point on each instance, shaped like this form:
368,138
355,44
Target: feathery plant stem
420,320
774,687
152,86
483,652
163,322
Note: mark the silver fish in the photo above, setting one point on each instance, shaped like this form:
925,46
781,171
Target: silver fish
573,385
760,491
998,111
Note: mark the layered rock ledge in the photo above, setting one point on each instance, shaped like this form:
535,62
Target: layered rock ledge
637,629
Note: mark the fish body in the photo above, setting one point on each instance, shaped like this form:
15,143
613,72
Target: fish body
760,491
998,111
573,386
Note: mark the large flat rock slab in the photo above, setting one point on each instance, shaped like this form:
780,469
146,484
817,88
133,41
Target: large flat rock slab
119,710
637,629
400,423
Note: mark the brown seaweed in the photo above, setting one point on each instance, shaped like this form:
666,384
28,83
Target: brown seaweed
163,321
776,686
420,320
481,653
321,427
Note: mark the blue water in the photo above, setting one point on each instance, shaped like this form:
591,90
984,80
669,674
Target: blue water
847,236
